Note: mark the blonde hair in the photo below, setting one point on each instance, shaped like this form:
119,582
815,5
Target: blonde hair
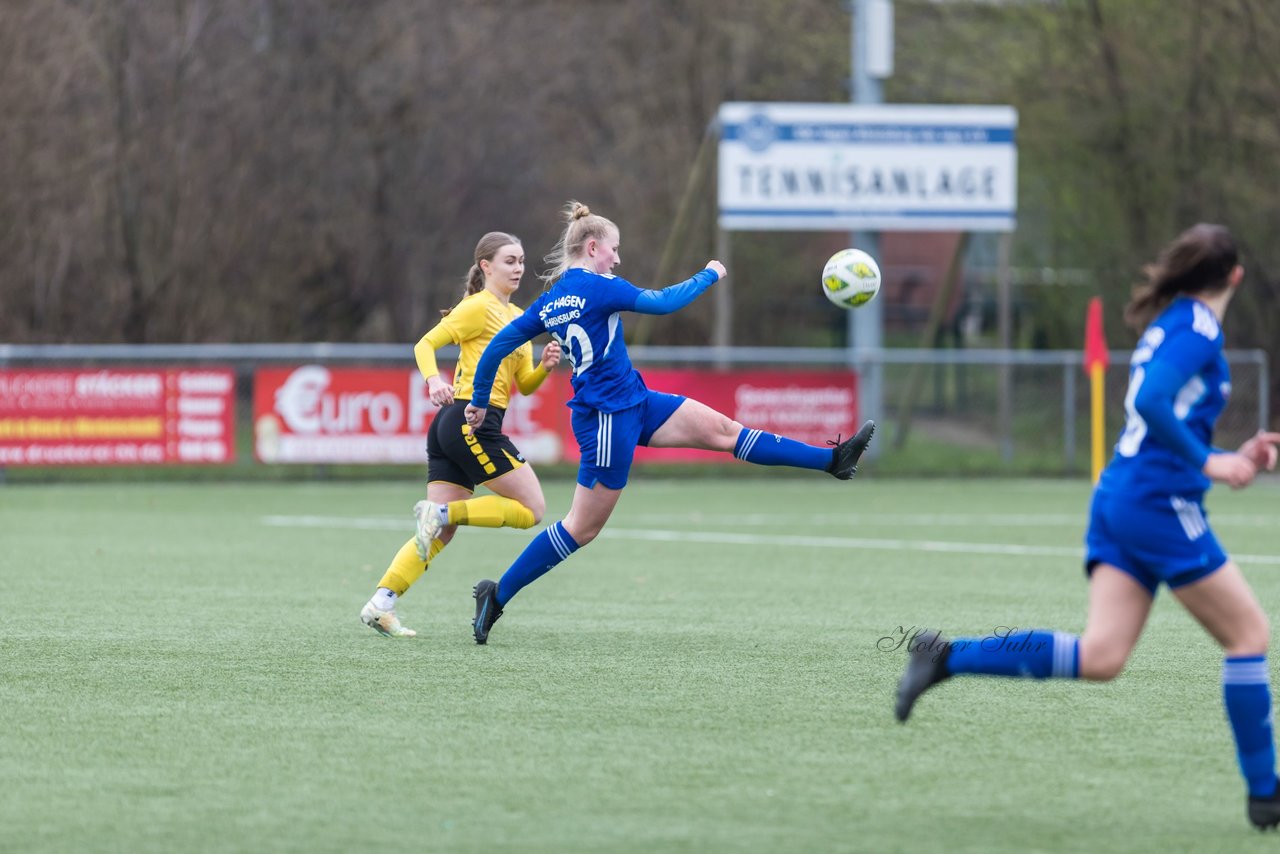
581,226
485,250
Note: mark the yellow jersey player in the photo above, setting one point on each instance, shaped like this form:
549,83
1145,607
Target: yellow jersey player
459,457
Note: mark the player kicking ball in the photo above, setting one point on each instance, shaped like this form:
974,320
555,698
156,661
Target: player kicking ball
613,412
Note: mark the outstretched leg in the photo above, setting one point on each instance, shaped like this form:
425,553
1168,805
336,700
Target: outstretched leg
1118,609
696,425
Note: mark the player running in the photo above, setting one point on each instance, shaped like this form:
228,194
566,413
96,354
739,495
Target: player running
1147,523
459,456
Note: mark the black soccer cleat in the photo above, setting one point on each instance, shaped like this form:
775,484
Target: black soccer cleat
1264,813
487,609
845,455
927,654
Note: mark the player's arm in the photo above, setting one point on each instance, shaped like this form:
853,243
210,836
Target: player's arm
424,353
677,296
1176,362
515,333
528,375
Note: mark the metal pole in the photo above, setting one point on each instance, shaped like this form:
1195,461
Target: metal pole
722,330
1264,392
1004,311
872,19
866,339
1069,416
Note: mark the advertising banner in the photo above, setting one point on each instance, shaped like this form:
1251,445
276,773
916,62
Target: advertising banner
318,414
808,406
152,416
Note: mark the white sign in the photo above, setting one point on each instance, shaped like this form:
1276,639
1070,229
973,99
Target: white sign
890,167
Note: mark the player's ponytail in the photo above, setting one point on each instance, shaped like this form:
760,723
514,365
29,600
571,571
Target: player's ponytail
1199,260
488,247
474,282
581,225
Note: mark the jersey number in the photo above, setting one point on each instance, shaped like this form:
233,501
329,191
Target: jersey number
1135,427
581,357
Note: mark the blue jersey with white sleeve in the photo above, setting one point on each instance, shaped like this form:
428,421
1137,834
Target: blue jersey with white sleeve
1179,384
582,312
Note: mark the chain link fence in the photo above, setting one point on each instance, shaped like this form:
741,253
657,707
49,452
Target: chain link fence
944,412
1025,416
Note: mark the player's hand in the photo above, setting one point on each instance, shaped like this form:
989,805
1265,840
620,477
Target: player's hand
1261,450
718,267
1235,470
440,392
474,415
551,356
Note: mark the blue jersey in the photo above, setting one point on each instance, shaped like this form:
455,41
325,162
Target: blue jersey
1179,384
582,311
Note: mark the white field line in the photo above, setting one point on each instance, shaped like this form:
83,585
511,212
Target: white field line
375,523
901,520
922,520
919,520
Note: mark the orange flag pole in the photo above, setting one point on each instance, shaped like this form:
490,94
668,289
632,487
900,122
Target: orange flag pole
1095,364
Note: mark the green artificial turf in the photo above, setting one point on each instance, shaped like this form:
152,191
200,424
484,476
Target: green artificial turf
182,668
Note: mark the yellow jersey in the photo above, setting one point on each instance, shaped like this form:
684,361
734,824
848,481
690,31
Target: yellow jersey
471,325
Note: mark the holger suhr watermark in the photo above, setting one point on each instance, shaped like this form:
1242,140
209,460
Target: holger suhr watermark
1001,638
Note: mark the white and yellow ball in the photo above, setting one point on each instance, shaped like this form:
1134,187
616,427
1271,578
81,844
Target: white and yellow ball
851,278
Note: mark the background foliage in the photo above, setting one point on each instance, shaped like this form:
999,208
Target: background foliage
250,170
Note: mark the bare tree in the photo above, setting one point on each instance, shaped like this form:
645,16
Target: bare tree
321,169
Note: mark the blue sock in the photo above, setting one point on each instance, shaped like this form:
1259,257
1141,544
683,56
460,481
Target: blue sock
766,449
1009,652
1246,690
547,549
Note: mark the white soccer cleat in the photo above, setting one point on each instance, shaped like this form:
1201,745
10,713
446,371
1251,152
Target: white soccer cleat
427,514
384,622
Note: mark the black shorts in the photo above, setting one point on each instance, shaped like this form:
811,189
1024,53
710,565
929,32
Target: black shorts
455,455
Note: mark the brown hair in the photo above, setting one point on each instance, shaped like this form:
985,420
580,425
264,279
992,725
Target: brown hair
1199,260
485,250
581,225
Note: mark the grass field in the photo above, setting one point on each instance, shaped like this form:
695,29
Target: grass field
182,669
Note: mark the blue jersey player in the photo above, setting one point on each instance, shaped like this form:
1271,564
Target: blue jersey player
613,411
1147,524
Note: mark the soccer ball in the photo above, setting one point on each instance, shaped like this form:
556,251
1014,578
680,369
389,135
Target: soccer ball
851,278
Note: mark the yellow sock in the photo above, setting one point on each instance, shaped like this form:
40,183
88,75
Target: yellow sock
406,567
490,511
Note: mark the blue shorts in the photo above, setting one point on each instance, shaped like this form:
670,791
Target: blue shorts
1154,540
608,440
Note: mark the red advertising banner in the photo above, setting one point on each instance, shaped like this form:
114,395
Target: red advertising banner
318,414
117,417
808,406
